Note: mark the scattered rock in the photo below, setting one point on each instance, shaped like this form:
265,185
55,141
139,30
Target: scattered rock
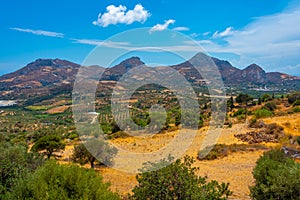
268,133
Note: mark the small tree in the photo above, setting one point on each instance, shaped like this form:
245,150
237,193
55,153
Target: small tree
90,150
259,101
50,144
230,103
177,180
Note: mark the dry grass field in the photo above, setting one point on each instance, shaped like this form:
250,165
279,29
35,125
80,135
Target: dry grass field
235,168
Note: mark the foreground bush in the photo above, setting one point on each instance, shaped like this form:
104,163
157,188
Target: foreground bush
177,181
276,177
15,162
54,181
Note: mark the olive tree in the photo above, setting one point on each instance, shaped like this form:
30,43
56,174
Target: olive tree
91,149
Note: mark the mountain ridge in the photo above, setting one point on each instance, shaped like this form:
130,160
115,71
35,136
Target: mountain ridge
55,76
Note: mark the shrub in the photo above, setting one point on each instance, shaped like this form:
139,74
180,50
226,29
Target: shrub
276,177
241,117
266,97
243,98
15,162
241,111
298,140
297,103
54,181
273,129
271,106
177,180
297,109
294,97
73,136
254,123
263,113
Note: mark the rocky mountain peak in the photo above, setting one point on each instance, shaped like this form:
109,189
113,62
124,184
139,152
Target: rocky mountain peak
131,62
254,67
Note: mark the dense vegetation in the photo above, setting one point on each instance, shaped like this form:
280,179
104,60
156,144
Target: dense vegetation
15,162
276,177
54,181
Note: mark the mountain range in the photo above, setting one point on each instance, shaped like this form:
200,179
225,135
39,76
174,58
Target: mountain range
50,77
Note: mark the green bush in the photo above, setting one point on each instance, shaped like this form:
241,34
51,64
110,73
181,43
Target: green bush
271,106
73,136
241,111
294,97
177,180
54,181
253,122
297,103
298,140
243,98
266,97
263,113
276,177
297,109
241,117
15,162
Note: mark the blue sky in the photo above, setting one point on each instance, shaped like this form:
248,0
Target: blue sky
265,32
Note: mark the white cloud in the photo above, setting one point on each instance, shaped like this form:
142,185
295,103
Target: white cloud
162,27
271,41
102,43
195,35
181,28
40,32
206,33
227,32
118,15
186,46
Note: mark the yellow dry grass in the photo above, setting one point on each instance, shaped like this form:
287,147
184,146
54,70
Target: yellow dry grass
56,110
236,168
290,123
